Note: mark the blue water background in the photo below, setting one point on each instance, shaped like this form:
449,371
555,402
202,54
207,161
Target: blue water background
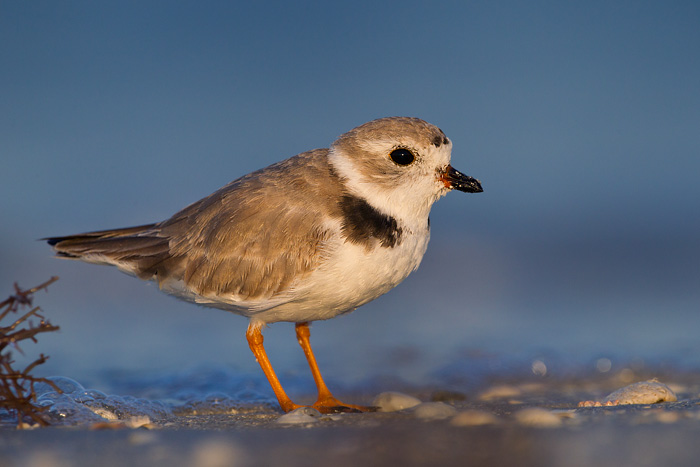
582,122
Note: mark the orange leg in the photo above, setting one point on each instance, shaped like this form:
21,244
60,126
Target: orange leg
326,402
255,341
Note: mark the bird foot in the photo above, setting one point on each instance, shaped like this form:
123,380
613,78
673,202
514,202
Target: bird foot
344,408
330,406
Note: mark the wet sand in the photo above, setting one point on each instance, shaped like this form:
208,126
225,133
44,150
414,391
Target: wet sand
515,422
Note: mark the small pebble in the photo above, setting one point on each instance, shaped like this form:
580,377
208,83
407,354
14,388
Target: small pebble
104,413
537,417
394,401
644,392
499,392
302,415
434,410
142,421
474,418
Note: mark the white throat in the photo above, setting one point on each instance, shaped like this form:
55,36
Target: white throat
409,203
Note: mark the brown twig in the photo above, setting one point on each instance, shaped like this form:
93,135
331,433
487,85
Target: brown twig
17,393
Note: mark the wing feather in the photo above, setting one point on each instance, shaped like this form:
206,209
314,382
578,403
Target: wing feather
247,245
255,239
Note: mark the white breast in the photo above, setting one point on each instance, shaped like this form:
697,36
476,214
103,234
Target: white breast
351,277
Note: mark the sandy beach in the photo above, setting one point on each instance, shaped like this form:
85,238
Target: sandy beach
515,422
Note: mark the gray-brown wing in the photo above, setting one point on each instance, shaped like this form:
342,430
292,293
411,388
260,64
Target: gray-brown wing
256,237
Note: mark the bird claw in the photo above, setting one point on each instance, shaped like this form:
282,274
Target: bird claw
335,406
338,409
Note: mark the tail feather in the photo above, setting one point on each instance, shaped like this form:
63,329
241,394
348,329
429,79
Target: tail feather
53,241
135,250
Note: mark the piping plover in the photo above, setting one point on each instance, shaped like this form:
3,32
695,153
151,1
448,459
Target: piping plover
305,239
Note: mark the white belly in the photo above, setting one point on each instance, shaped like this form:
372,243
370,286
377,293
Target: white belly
352,277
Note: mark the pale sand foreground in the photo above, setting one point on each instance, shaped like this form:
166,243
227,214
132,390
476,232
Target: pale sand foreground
513,423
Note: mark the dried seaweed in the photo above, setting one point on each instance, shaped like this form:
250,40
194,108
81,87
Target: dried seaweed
17,395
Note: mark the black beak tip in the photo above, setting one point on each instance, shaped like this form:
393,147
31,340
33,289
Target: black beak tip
472,185
458,181
477,186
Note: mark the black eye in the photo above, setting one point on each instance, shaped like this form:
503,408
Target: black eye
402,156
